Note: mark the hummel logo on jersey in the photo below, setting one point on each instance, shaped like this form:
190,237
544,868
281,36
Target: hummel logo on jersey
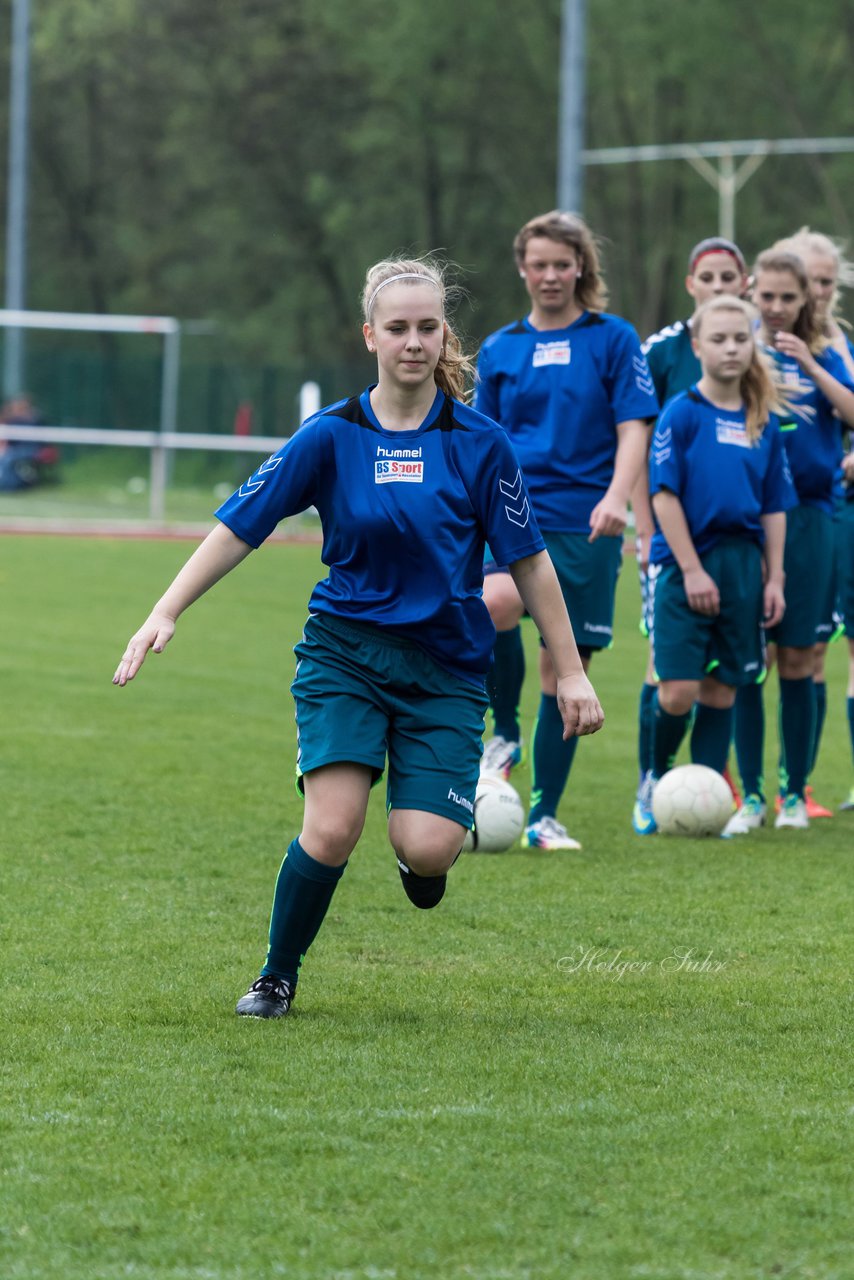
398,466
516,515
728,432
255,482
643,377
551,353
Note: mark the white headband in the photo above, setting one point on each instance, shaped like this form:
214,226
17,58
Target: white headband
404,275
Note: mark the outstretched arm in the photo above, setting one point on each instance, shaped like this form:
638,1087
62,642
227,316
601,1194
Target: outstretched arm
220,552
537,584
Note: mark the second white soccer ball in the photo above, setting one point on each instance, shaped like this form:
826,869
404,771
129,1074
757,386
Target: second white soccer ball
499,816
691,800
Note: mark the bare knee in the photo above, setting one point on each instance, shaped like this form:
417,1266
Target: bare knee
677,697
502,600
331,837
426,842
795,664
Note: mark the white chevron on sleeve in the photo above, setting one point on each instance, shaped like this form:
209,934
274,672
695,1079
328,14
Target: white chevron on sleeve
514,490
253,484
519,515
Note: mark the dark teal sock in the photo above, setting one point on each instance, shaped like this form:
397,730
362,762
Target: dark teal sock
710,736
304,891
668,734
851,723
749,734
820,713
797,713
504,682
646,728
551,759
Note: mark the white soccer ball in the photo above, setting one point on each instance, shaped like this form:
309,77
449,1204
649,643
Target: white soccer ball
691,800
499,817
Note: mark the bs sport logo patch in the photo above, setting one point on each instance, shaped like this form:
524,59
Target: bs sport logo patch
552,353
398,466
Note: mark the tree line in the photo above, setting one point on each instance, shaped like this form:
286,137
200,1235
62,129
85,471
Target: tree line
244,163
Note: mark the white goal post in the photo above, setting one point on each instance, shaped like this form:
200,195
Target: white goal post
166,438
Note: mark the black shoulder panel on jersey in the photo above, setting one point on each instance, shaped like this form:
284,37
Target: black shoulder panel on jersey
692,395
352,411
446,421
592,317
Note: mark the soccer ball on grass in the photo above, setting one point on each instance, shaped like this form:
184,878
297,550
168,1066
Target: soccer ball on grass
499,817
691,800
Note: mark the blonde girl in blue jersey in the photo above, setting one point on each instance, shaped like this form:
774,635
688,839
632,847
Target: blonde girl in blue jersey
409,482
821,392
829,271
720,491
716,267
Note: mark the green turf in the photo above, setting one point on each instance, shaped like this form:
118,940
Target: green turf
475,1093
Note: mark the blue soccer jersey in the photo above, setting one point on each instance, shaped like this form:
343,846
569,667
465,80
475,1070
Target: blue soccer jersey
813,440
559,394
724,482
405,516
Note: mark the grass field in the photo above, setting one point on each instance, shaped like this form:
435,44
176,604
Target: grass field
475,1093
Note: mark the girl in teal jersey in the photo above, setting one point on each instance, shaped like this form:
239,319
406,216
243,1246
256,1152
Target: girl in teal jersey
368,693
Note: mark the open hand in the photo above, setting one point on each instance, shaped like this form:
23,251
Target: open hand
155,633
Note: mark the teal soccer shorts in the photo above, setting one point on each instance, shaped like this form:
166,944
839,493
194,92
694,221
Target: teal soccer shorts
364,696
808,563
687,645
843,528
587,572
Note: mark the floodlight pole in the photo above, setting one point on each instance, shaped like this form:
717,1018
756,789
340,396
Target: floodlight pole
570,170
16,200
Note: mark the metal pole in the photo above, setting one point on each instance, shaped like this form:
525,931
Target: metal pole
16,201
572,96
160,459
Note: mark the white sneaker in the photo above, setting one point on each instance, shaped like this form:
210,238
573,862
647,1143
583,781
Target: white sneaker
548,833
793,814
749,818
500,757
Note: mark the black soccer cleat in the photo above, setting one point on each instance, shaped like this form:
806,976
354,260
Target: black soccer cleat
422,891
269,997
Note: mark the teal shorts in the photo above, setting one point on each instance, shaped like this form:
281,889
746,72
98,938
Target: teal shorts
364,696
587,572
687,645
843,528
808,564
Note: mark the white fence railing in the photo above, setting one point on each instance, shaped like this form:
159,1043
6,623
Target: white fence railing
159,443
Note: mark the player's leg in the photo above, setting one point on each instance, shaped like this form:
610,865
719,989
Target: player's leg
797,716
680,641
506,678
844,531
551,762
587,573
341,731
814,809
434,744
712,729
848,803
809,570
